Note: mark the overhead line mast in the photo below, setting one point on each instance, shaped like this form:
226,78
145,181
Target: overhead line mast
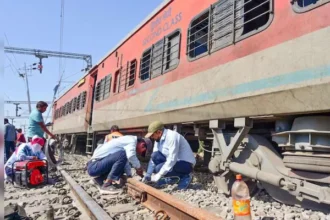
47,53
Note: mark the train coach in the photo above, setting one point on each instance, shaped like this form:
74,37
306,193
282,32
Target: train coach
249,78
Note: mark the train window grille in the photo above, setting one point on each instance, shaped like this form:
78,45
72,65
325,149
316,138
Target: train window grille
102,86
83,99
131,72
162,57
301,6
107,87
171,51
78,102
198,35
97,92
74,104
116,84
125,77
70,107
145,65
227,22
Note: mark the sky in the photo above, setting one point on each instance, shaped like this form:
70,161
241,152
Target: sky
89,27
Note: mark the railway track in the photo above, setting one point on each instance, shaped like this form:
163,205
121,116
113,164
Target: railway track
74,196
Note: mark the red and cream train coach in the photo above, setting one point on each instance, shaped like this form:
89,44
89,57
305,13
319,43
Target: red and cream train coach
209,68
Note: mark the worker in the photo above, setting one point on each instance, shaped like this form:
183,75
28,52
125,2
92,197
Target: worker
36,122
26,151
172,159
114,133
20,137
108,162
10,138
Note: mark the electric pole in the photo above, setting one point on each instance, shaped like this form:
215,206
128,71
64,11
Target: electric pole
25,76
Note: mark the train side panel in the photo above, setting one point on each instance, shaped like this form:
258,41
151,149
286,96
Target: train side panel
71,113
283,69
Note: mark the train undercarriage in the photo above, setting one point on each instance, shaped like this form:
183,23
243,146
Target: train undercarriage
288,156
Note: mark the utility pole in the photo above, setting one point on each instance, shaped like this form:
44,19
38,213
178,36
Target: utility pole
24,75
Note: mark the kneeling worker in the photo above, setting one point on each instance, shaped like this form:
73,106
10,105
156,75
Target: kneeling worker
26,151
108,162
172,157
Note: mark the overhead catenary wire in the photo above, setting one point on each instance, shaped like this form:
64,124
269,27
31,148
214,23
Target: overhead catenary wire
60,67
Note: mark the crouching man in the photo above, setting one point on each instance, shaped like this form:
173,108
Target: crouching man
172,157
26,151
108,162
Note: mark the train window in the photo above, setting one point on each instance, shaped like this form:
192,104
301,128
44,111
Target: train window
145,65
83,99
157,57
102,86
227,22
131,73
300,6
78,102
97,92
107,86
198,35
116,84
69,107
172,51
74,104
122,79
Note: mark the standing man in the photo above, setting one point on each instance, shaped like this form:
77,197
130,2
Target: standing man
172,157
108,162
114,133
36,122
10,138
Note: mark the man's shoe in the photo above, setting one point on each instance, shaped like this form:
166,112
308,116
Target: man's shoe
97,181
168,181
184,182
109,188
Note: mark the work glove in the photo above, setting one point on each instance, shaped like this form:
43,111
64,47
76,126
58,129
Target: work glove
146,179
139,171
155,178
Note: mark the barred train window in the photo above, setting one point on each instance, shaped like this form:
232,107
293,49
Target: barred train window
131,73
78,102
83,99
145,65
163,56
300,6
125,77
227,22
103,87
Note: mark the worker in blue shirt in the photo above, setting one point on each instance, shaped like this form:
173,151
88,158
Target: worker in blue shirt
109,161
172,157
36,122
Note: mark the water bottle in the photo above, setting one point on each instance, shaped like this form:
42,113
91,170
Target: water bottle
241,199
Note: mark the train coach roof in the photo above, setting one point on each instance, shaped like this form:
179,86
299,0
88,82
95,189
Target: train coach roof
151,15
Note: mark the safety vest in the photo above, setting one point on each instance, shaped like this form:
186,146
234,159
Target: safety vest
113,135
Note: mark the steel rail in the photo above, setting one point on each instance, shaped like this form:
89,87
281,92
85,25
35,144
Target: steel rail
163,203
87,202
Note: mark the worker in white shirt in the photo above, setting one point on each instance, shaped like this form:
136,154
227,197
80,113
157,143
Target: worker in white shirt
172,157
108,162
